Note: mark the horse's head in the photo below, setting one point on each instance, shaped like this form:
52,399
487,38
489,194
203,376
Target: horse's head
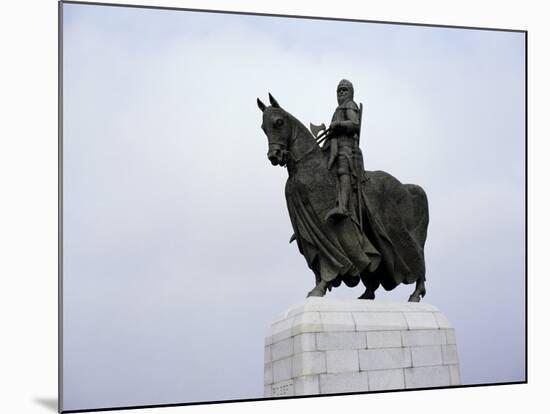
277,125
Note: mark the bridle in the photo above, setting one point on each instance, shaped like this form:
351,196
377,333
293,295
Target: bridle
284,147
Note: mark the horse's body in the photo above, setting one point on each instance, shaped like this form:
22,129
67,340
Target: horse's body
382,242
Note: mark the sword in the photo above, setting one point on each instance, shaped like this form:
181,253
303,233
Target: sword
361,172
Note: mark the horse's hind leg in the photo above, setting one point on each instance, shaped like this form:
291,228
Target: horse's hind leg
419,292
371,283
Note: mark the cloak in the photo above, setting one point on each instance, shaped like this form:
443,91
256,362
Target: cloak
389,245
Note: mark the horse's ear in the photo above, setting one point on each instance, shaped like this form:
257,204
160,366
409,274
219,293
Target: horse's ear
274,103
261,105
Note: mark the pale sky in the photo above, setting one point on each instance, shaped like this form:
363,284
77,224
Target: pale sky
176,255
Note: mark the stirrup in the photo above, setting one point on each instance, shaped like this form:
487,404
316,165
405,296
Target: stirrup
337,213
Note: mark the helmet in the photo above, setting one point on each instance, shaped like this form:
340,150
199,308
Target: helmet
344,96
345,82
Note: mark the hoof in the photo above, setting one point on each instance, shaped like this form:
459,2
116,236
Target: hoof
367,295
417,294
316,292
414,298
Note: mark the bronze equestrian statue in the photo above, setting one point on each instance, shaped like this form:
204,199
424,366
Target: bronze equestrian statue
351,225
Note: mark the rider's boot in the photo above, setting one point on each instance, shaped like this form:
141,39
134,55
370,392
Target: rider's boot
341,210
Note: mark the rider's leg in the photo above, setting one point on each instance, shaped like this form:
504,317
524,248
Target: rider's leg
345,190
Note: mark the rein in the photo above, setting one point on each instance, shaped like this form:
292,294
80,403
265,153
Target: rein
292,140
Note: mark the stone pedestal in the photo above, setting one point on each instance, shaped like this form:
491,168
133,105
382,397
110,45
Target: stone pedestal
326,346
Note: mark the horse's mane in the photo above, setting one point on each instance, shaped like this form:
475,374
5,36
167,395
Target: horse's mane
302,127
303,141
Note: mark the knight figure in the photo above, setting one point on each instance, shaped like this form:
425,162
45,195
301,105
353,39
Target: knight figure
343,144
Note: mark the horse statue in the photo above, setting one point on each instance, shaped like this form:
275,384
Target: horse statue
384,246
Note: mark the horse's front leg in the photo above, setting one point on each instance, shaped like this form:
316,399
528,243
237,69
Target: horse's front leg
319,290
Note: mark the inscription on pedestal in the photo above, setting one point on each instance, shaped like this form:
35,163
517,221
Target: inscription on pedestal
283,389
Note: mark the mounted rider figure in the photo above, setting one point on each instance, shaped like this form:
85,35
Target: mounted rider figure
343,143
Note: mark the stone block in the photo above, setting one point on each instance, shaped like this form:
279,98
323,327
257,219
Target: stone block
442,321
423,377
337,321
342,361
282,330
384,358
454,372
327,304
379,321
451,338
305,342
426,355
282,349
268,374
344,382
267,354
308,363
267,391
450,354
307,385
383,339
307,322
423,337
282,370
421,320
341,340
316,304
418,307
386,379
